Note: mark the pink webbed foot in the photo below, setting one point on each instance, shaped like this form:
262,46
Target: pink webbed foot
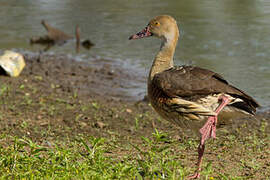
209,129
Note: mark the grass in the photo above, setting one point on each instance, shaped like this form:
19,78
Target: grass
87,158
156,157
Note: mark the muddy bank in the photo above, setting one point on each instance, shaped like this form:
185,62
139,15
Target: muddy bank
62,98
96,78
94,98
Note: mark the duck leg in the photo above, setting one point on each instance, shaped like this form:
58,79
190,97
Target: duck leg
208,130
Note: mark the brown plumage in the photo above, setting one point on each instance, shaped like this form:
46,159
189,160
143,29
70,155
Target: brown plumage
201,83
190,96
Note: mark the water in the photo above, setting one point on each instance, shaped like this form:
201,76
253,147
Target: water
231,37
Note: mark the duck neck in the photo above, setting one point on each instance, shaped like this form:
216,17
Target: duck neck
164,58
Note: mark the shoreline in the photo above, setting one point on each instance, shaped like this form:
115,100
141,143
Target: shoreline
57,101
62,79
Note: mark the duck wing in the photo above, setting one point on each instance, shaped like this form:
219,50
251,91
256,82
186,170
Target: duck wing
189,82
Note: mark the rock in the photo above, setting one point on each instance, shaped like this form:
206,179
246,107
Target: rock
11,63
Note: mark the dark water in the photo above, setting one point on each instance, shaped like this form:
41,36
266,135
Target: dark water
231,37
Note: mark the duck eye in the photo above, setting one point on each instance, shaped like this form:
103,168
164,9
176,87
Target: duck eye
157,23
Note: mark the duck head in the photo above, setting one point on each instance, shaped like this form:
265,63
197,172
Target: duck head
164,27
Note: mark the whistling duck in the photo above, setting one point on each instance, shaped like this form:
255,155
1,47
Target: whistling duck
190,97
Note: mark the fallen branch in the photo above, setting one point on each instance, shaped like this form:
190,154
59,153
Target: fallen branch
56,36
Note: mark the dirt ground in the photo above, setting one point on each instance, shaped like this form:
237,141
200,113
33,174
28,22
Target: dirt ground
71,97
56,97
59,92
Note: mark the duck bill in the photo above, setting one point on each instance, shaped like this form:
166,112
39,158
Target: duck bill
144,33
